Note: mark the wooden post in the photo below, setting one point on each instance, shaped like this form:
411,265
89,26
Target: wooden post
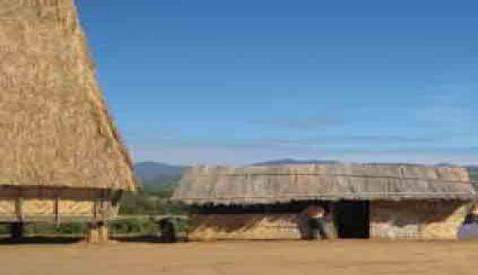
97,233
19,209
92,236
331,226
103,232
57,211
98,229
17,228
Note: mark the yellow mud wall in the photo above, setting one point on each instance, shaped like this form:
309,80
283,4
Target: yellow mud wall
244,227
417,220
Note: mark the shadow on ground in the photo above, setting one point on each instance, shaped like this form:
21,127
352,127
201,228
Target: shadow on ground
145,239
73,240
138,239
41,240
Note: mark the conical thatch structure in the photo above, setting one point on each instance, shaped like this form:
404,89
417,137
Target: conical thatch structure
376,201
61,154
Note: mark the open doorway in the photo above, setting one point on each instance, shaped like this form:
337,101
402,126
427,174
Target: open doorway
352,219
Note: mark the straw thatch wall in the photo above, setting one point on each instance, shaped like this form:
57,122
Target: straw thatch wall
244,227
44,210
56,205
269,185
286,226
55,129
417,219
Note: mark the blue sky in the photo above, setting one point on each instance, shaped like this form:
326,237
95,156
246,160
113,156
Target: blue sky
235,82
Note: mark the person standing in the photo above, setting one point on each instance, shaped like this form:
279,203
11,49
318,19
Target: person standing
316,220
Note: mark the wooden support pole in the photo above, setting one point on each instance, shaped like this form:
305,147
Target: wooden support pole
17,228
57,211
97,229
19,209
98,233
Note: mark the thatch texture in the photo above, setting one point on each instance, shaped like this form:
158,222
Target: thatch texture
53,204
55,129
424,220
281,184
419,220
244,227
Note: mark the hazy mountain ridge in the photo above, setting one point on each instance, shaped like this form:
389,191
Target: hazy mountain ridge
473,173
150,170
156,176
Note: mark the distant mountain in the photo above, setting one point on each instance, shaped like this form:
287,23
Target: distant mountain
473,173
151,170
156,176
445,164
293,161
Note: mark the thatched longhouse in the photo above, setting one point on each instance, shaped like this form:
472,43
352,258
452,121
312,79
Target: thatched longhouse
61,155
376,201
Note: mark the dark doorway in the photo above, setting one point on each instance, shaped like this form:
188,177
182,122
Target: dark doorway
352,219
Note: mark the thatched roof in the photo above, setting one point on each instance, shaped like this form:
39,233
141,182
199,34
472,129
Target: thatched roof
55,128
279,184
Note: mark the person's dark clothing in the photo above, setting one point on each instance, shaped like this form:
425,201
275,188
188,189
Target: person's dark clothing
317,229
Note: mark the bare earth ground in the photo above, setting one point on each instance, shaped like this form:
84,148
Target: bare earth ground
334,257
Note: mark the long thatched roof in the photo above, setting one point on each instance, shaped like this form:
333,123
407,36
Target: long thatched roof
55,128
280,184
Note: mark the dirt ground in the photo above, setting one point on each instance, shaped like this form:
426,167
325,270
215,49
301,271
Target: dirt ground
334,257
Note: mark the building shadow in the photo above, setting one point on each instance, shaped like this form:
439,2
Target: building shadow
137,239
148,239
40,240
